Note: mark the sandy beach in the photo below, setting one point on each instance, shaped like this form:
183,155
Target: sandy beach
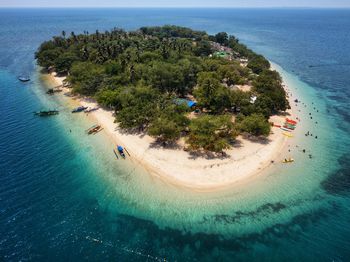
174,165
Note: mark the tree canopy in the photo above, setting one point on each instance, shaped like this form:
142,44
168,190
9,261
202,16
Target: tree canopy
211,133
141,73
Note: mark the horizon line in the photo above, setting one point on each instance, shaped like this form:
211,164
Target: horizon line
182,7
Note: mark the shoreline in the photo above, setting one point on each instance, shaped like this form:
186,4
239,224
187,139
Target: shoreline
244,161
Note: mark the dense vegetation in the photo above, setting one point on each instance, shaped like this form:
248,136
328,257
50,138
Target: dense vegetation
143,73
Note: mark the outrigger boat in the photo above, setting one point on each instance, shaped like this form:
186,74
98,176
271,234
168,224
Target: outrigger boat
79,109
121,151
24,78
91,109
47,113
94,129
289,160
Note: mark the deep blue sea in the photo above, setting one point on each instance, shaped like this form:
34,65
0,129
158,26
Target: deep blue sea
62,198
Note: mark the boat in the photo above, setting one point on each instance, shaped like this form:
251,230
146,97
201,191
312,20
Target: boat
24,78
121,151
285,129
91,109
289,127
289,124
287,134
94,130
51,91
79,109
289,160
291,121
277,125
47,113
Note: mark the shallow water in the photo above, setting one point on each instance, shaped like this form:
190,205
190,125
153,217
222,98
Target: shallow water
64,196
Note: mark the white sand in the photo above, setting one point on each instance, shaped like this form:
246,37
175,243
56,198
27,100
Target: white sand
178,167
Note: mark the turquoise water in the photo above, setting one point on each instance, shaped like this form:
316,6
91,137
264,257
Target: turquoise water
64,196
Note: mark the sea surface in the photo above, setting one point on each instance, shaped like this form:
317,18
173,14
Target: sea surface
63,195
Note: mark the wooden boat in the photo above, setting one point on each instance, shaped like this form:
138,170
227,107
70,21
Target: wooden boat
91,109
289,160
47,113
287,134
95,130
121,151
79,109
277,125
24,78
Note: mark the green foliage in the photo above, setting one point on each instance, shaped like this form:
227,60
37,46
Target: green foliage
64,62
258,64
269,84
211,94
86,77
211,133
255,124
167,127
109,98
222,38
139,106
140,74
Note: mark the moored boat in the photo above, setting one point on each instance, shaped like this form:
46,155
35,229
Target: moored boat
285,129
46,113
121,151
289,160
79,109
24,78
91,109
293,122
287,134
94,130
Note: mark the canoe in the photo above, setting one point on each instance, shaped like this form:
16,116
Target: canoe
289,160
289,127
287,134
94,130
285,129
291,121
277,125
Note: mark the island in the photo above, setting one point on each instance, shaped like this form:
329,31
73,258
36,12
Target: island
199,110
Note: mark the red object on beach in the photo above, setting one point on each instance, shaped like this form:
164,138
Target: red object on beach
277,125
291,121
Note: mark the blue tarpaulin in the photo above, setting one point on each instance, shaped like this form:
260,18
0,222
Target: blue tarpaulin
189,103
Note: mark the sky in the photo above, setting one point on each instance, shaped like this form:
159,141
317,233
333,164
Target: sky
176,3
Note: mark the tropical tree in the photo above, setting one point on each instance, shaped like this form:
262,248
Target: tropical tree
255,124
211,133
